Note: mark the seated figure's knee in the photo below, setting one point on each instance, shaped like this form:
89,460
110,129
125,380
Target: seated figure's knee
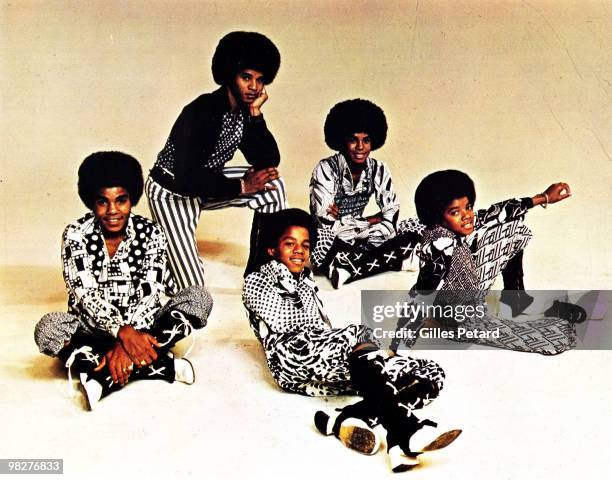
53,331
196,301
281,202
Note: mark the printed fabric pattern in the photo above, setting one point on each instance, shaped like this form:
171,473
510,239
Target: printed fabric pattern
108,293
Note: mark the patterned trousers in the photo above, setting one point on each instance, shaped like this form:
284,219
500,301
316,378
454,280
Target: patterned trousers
187,311
497,247
318,363
179,215
56,328
366,262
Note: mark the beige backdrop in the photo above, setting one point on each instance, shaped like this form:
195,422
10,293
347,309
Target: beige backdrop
518,94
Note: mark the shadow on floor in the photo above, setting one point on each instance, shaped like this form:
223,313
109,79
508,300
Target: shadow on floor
39,367
234,254
254,351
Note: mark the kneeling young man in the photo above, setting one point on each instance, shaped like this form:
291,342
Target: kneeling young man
114,266
190,176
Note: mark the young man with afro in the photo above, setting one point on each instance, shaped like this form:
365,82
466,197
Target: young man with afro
340,189
463,250
306,355
190,175
114,266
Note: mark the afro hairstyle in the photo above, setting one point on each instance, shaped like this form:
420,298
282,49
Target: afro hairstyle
437,190
355,116
245,50
109,169
274,225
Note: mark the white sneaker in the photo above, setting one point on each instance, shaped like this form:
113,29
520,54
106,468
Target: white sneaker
401,462
183,371
92,390
358,435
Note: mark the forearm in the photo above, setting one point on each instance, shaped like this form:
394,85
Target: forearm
508,210
213,185
258,144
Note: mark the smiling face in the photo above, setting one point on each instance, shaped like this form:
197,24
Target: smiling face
358,147
247,86
458,216
112,208
292,249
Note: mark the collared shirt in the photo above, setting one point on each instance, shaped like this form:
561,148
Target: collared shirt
332,183
447,261
106,292
204,137
277,302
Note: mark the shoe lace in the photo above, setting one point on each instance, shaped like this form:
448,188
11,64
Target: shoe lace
176,330
87,351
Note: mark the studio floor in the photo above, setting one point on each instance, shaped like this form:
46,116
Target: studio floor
517,94
522,415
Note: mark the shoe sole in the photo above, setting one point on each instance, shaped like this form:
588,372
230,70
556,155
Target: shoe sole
443,440
404,467
359,439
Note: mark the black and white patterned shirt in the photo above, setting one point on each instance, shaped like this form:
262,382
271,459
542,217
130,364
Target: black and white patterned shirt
232,127
332,183
447,259
108,293
278,303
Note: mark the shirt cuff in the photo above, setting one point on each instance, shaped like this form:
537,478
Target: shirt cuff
257,119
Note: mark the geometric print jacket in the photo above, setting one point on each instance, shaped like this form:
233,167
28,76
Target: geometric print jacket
446,259
107,293
332,183
278,303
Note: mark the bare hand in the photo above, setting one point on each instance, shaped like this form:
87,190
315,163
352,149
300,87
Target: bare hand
138,345
334,211
256,181
255,107
119,364
555,193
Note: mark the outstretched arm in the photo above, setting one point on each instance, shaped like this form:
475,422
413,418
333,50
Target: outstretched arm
553,194
436,257
515,209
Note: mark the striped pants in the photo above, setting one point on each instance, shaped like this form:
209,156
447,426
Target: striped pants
179,215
